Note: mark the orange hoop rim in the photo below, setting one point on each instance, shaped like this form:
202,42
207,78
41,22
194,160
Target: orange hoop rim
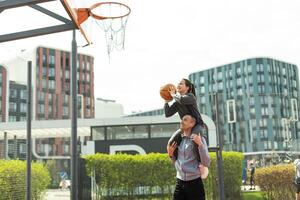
107,17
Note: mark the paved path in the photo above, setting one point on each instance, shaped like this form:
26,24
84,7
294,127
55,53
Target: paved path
56,194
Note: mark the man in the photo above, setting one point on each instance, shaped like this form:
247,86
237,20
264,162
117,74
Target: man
189,184
252,172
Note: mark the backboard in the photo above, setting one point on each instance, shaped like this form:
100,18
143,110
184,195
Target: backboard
71,6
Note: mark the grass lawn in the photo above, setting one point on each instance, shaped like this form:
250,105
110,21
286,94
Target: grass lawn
252,196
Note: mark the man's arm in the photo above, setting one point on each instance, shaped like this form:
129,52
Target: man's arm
203,151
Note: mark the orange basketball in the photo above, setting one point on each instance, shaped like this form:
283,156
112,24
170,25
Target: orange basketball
164,91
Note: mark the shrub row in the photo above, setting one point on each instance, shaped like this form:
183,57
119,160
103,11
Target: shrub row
13,180
153,174
276,181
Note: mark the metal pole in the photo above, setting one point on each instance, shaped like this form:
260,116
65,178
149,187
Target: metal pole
5,146
15,147
74,189
28,159
219,153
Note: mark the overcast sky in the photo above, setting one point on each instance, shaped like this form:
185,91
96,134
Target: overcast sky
167,40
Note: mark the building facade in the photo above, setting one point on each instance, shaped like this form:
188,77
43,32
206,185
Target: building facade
17,106
53,88
51,76
257,101
3,93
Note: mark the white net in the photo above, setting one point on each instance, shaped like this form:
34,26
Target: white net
114,26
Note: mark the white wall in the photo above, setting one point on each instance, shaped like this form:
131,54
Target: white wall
108,109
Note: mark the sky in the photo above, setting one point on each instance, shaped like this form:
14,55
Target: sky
167,40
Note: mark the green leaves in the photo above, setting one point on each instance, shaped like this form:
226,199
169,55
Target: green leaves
123,175
13,178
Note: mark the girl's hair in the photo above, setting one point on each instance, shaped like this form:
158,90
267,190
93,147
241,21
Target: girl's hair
191,86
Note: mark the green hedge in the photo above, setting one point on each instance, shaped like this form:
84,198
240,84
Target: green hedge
276,181
13,180
153,174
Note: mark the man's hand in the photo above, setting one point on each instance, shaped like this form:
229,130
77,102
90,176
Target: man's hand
171,149
197,139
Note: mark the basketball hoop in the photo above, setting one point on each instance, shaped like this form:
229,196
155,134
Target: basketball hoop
112,18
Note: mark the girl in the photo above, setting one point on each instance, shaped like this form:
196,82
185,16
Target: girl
185,104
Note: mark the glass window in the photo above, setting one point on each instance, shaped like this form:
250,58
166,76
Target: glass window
65,110
23,148
23,107
67,74
12,118
52,59
41,96
127,132
44,83
41,108
163,130
88,77
202,79
23,94
51,84
23,118
13,93
52,72
98,133
12,106
50,109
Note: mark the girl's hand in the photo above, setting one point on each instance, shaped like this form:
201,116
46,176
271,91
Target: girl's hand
172,91
171,149
196,138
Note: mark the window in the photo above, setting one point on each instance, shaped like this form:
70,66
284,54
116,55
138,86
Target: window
13,93
88,77
52,59
98,133
88,66
41,108
66,99
65,110
12,106
23,118
12,119
52,72
41,96
163,130
127,132
50,109
67,74
51,84
23,148
44,71
44,83
23,94
201,79
23,107
231,111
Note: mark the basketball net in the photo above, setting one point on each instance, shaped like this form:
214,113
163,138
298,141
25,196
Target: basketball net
114,27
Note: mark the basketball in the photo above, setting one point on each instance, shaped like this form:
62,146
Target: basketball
164,91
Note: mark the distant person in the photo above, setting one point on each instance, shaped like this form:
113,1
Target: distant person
185,104
244,174
189,185
297,177
252,172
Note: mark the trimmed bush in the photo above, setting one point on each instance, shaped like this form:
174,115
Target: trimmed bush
276,181
128,176
13,180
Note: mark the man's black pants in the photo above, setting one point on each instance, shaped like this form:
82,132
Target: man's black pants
189,190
